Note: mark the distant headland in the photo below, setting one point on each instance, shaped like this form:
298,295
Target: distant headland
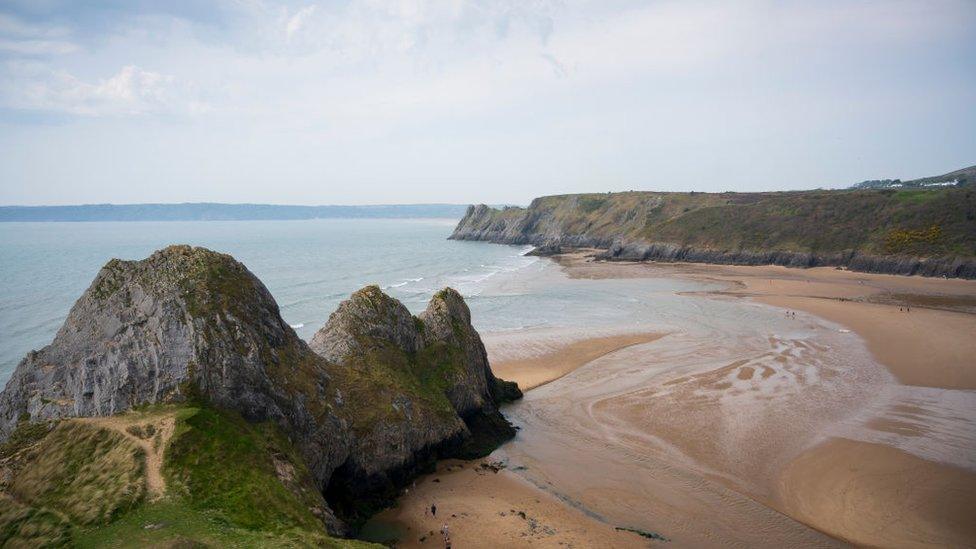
919,227
212,211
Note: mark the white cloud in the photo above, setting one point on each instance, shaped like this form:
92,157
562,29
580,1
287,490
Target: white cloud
295,22
131,91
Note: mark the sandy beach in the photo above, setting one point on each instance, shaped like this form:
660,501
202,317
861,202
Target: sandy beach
482,507
842,412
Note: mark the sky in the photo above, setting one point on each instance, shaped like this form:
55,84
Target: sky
468,101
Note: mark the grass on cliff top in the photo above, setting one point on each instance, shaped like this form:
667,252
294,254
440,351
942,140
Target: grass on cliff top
25,526
229,484
90,475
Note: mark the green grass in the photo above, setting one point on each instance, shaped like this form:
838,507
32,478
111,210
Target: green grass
248,474
172,523
918,196
230,483
25,435
89,474
25,526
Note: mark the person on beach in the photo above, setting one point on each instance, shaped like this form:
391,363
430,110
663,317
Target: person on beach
433,510
447,536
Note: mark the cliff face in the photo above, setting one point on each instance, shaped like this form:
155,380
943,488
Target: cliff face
380,393
415,388
185,320
929,232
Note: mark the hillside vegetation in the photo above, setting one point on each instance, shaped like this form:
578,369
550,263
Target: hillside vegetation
799,228
230,483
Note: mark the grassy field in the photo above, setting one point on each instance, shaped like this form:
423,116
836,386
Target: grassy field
229,484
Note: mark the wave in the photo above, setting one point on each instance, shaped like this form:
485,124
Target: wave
403,282
297,326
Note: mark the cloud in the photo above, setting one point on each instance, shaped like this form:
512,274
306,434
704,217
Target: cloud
513,94
296,21
130,91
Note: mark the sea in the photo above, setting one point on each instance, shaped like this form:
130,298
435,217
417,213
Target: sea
309,266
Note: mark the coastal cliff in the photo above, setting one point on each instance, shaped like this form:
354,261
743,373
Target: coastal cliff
374,400
929,232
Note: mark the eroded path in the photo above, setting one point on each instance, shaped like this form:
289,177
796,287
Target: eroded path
152,433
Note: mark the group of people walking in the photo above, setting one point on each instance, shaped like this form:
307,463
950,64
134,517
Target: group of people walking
445,531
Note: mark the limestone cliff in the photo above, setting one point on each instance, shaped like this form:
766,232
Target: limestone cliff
417,387
388,393
930,232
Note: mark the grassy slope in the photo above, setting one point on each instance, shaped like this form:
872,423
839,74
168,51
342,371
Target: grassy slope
230,484
923,222
918,222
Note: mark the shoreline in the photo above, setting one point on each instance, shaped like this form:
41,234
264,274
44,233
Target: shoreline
866,304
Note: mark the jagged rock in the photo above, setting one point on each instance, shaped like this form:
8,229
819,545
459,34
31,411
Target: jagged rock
548,249
423,383
388,393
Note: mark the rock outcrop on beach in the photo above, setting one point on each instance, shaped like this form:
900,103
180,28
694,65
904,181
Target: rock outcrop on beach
378,396
418,388
919,231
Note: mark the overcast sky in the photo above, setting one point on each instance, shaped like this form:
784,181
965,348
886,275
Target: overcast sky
373,101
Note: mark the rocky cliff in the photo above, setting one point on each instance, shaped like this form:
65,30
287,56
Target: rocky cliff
930,232
419,388
379,395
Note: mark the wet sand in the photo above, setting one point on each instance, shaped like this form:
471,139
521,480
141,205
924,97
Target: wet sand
850,421
533,371
928,346
876,495
898,470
